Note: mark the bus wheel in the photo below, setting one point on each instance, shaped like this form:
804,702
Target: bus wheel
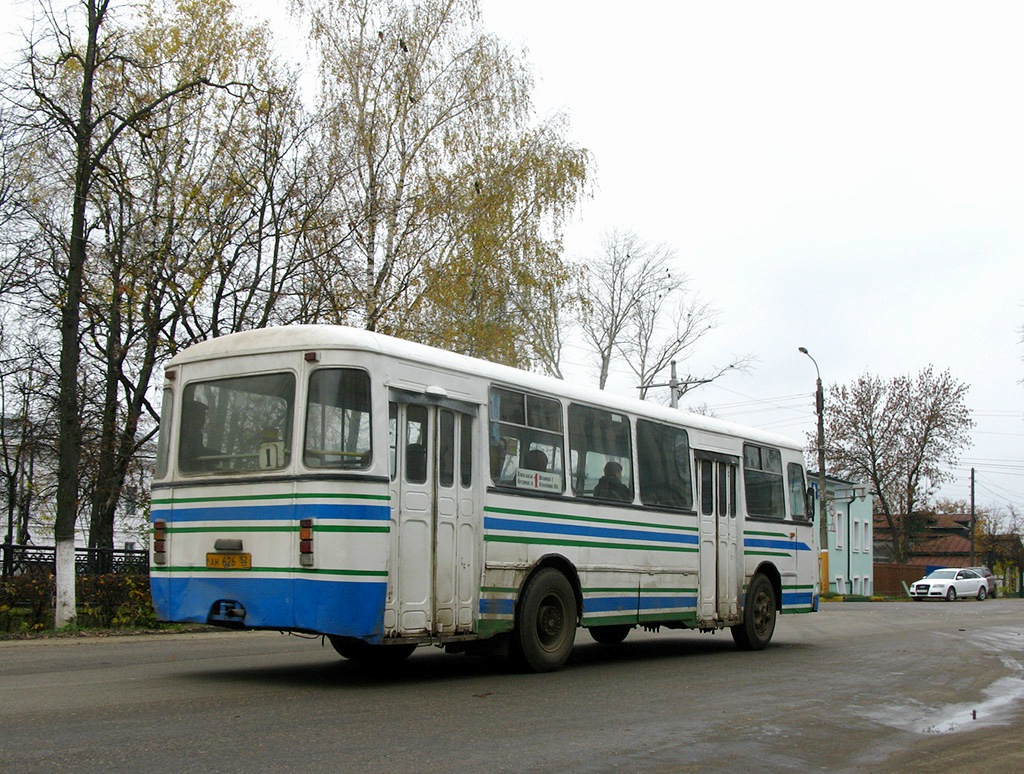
758,616
373,655
610,635
546,622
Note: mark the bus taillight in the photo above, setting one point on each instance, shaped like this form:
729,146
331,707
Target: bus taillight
159,542
306,542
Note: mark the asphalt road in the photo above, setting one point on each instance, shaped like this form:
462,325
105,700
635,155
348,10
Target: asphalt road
858,687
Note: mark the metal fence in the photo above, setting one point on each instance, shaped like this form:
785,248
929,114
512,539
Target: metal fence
18,560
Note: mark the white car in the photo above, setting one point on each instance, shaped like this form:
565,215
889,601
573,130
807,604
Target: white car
949,583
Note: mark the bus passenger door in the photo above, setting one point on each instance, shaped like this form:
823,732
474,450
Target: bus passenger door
433,539
718,598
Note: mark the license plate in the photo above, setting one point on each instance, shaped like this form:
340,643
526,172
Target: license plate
229,561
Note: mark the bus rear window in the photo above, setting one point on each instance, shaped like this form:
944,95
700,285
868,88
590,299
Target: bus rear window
237,425
338,419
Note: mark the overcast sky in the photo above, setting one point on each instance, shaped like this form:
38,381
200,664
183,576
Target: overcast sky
848,177
841,176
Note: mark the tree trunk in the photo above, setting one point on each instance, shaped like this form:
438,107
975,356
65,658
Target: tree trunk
65,613
69,446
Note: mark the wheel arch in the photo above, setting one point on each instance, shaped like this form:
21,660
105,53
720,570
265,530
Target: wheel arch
564,566
771,572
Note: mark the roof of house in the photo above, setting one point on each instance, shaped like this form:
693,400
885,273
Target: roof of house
941,545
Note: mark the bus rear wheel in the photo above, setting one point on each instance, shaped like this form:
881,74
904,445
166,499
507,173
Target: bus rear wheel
758,616
371,655
545,622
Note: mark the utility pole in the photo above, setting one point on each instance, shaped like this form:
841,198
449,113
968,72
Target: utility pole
974,522
676,388
819,404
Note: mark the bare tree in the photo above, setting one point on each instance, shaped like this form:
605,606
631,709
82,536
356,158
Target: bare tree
638,305
903,436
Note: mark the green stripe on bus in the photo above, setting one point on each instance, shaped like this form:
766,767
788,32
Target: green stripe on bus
766,553
284,528
635,590
680,615
585,544
608,620
287,496
294,570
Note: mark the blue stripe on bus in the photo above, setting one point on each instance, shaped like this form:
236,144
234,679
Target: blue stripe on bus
497,606
797,599
593,605
791,545
562,528
329,607
256,512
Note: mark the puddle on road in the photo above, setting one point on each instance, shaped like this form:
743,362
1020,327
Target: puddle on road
996,708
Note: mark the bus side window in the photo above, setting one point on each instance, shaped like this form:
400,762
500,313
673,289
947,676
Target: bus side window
797,491
525,437
663,468
762,472
338,432
600,442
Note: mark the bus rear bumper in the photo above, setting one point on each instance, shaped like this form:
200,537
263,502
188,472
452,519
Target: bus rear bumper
346,608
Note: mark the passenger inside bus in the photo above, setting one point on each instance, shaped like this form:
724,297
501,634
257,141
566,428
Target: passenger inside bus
536,460
610,486
193,450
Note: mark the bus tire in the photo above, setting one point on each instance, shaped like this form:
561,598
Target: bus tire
371,655
759,613
545,622
610,635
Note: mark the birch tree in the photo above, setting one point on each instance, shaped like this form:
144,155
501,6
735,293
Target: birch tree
449,202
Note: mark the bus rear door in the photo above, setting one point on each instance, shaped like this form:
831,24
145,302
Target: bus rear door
719,537
432,578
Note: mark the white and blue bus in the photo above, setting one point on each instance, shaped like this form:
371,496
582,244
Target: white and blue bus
385,494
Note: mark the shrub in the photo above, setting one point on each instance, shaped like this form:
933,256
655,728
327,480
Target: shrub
26,601
118,601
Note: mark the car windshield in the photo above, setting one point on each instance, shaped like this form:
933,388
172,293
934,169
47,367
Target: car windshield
938,574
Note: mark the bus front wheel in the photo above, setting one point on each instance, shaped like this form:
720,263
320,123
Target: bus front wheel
545,622
758,616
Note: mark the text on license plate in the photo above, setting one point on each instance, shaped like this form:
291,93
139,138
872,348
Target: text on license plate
229,561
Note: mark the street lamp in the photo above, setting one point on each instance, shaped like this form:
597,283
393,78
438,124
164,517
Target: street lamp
819,402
